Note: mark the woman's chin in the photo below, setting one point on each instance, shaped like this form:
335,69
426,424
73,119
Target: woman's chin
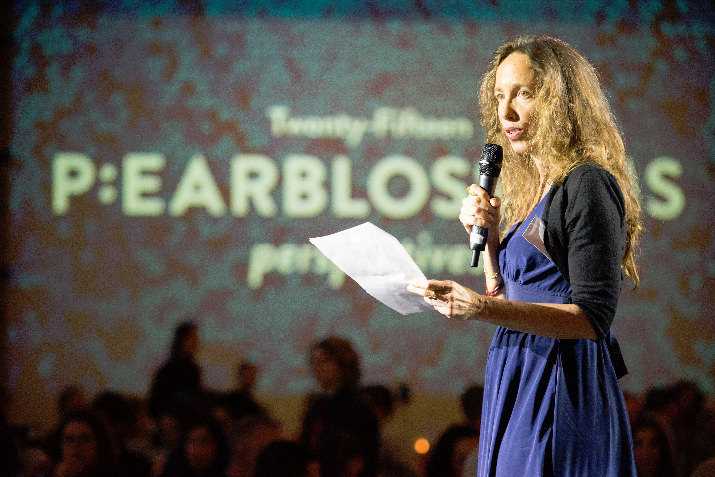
520,148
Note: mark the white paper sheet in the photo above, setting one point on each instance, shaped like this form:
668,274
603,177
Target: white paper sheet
378,262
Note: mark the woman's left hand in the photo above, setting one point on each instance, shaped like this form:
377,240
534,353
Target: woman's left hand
449,298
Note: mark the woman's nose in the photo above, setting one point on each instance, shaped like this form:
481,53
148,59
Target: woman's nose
506,111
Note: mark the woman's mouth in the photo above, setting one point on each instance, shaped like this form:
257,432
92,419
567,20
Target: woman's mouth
513,133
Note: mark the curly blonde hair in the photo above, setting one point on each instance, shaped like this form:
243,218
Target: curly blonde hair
574,125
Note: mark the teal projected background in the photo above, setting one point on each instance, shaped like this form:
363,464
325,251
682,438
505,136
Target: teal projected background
171,162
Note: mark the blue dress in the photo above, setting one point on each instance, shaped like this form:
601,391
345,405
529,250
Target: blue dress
552,407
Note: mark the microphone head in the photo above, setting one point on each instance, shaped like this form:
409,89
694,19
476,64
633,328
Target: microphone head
490,162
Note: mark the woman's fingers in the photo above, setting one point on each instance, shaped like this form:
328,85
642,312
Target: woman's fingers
430,287
446,296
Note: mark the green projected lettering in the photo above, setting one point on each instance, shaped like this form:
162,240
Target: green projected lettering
197,189
304,193
255,179
413,201
72,174
344,205
303,259
138,181
385,122
659,177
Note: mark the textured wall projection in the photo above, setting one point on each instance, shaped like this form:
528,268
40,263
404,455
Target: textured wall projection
172,162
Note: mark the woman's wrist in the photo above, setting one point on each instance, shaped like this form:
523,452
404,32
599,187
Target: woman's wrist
496,290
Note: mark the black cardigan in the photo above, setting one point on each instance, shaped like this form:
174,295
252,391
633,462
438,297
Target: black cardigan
585,235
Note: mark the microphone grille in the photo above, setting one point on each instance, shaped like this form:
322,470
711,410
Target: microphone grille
490,162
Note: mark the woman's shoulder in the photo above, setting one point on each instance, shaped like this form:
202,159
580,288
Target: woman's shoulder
587,185
588,173
587,182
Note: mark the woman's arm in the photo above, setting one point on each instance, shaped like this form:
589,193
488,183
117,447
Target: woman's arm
592,255
566,321
481,210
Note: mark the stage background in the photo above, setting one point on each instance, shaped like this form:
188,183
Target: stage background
169,161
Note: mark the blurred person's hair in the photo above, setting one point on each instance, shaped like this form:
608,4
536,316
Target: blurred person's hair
344,355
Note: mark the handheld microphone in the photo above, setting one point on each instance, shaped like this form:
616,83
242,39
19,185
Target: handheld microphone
489,169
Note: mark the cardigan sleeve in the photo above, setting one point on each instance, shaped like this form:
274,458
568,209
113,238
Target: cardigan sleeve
586,238
594,222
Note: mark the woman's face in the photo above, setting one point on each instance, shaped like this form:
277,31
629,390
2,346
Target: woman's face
79,447
201,449
514,91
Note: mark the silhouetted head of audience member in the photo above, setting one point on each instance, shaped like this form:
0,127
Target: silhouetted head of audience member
335,364
85,446
471,402
121,418
251,435
634,405
186,339
202,451
71,399
447,456
117,410
345,456
379,398
688,402
246,375
285,458
168,429
651,449
35,463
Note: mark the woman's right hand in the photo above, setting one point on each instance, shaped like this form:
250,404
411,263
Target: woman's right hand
480,210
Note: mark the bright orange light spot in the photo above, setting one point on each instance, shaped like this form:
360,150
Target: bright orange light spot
421,445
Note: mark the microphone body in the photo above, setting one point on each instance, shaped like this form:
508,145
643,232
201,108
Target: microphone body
489,169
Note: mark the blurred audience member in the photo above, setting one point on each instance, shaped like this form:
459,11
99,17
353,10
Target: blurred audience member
471,403
337,413
203,450
634,405
344,456
651,450
252,434
86,450
380,400
35,463
142,436
71,399
447,456
241,402
679,409
121,419
167,438
9,455
705,469
694,442
178,381
285,458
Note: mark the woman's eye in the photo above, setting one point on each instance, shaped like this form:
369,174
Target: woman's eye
525,93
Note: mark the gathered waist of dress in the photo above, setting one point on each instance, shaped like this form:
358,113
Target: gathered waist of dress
533,293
